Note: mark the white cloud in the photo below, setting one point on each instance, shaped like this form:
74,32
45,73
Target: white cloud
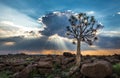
15,23
111,33
118,12
10,14
90,12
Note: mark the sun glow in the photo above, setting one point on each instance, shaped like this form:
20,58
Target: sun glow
59,41
9,43
86,52
47,52
101,52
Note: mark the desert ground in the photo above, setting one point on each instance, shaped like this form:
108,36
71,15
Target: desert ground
56,66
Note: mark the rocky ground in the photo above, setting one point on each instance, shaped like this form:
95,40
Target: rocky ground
56,66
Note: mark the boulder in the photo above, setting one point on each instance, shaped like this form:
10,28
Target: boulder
18,68
45,71
98,69
112,60
86,61
57,77
2,66
57,61
25,72
46,59
68,54
44,64
66,61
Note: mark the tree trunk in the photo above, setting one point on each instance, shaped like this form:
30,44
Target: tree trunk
78,55
78,60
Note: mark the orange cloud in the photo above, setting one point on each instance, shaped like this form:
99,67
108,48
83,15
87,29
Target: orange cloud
86,52
102,52
9,43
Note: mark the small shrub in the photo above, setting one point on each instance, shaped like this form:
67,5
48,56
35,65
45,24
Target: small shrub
34,73
50,76
5,74
116,68
29,59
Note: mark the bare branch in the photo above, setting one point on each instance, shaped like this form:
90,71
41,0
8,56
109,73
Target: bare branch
83,27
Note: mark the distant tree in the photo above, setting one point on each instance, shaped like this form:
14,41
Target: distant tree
82,29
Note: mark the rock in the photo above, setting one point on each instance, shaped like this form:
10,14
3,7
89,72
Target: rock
16,75
114,75
18,63
44,71
44,64
57,61
46,59
57,77
25,72
2,66
68,60
112,60
44,67
117,56
98,69
72,71
68,54
18,68
86,61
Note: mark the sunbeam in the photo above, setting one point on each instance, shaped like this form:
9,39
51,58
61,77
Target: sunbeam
59,41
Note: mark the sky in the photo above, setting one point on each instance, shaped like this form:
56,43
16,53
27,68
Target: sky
37,26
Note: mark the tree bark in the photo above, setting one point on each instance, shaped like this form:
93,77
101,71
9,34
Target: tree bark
78,60
78,54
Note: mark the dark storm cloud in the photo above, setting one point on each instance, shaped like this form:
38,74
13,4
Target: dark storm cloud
107,42
24,44
10,39
38,44
55,22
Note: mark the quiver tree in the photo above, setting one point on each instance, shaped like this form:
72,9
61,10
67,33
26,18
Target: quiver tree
82,29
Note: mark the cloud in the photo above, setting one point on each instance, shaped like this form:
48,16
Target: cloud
15,23
9,43
107,42
118,12
90,12
9,29
13,15
55,23
110,33
54,42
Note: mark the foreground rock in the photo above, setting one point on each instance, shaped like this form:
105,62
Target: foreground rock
44,64
25,72
98,69
44,67
2,65
66,61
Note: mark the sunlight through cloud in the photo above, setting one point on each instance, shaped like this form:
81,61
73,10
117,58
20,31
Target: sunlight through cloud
15,23
59,41
9,43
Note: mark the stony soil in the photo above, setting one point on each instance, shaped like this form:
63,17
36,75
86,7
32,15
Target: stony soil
49,66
